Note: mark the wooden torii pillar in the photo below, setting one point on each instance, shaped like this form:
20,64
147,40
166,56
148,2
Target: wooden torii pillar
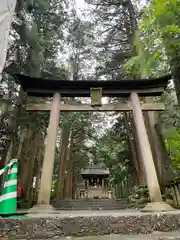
43,204
157,203
41,87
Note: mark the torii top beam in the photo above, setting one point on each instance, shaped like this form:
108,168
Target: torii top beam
47,87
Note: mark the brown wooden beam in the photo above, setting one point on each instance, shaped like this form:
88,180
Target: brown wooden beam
87,107
85,92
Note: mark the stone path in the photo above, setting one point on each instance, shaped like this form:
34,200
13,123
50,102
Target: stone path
154,236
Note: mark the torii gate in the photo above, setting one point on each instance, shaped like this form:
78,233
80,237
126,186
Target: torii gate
96,89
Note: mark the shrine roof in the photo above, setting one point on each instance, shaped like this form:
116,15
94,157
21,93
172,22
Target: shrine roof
95,170
120,88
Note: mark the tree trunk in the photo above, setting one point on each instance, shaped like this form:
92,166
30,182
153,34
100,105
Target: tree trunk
131,145
32,156
167,174
19,111
141,172
21,141
63,154
39,166
68,190
159,151
69,160
150,121
176,72
132,18
71,183
24,160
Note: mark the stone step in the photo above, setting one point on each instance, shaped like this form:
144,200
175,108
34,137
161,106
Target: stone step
91,200
89,208
100,225
103,204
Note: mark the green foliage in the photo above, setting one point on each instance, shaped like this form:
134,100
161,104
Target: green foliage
173,145
36,37
115,23
169,124
80,40
80,125
158,51
158,38
113,151
139,197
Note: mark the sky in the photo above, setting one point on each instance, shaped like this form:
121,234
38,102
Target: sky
81,4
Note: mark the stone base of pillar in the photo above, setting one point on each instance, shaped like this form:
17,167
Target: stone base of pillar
40,208
157,207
